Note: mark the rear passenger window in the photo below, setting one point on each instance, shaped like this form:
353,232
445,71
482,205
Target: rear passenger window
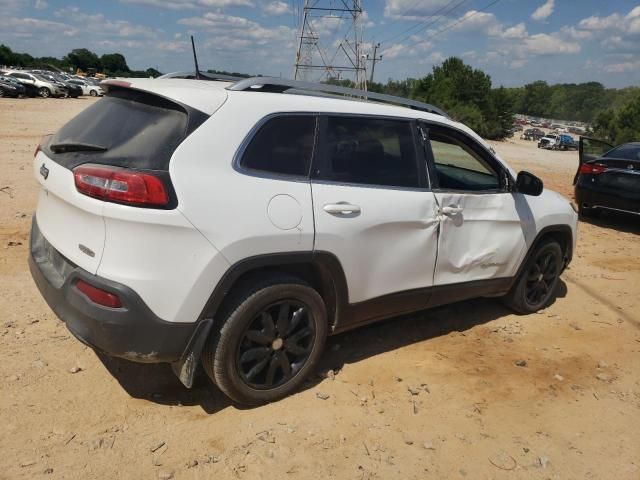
283,145
370,151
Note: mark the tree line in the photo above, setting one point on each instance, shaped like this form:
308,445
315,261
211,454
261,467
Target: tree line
112,64
465,93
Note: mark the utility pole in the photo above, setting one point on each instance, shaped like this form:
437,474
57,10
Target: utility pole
374,59
325,53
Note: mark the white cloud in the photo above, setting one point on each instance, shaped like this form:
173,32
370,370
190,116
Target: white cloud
102,26
544,44
517,31
601,23
624,67
276,8
544,11
191,4
415,10
40,4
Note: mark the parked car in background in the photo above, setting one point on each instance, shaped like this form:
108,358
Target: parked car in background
10,89
46,88
71,90
30,90
532,134
553,141
608,178
87,88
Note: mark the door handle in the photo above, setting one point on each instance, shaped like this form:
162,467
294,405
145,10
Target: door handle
341,208
451,210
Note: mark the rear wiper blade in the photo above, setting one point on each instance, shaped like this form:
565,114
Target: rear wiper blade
76,147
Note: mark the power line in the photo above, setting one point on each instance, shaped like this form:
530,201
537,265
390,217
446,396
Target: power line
430,17
453,24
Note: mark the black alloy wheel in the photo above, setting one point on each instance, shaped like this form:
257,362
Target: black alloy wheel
269,338
536,285
541,278
275,345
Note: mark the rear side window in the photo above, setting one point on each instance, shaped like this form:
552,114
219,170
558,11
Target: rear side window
370,151
283,146
136,130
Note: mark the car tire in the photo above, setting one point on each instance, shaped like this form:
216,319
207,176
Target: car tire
271,338
44,92
93,93
535,287
1,92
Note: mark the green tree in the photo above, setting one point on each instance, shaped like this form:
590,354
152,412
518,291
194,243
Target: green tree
465,93
83,59
114,63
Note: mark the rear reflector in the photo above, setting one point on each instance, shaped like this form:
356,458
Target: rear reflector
120,185
592,168
99,296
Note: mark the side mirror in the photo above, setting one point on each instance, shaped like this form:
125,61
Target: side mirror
528,184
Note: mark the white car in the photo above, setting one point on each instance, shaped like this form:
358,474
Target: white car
87,88
237,225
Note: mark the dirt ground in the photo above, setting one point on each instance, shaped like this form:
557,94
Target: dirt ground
432,395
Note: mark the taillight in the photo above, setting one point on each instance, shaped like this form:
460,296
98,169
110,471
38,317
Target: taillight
99,296
120,185
593,168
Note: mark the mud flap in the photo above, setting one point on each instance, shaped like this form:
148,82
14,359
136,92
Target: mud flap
185,369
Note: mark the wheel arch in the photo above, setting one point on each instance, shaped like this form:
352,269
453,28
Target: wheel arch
560,233
322,270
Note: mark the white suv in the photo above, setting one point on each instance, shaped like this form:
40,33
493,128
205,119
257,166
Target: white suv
239,224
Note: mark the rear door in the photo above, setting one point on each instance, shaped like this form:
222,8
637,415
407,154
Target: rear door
372,205
590,149
481,230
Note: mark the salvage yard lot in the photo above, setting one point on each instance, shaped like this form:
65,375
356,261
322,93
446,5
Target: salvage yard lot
465,391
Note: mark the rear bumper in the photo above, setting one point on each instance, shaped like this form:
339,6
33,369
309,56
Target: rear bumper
133,332
596,199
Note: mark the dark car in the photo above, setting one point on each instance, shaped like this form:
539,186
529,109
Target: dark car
532,134
608,178
29,89
8,89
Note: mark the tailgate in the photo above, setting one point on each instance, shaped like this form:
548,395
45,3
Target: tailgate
71,222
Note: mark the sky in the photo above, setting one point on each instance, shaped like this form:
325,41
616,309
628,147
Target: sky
514,41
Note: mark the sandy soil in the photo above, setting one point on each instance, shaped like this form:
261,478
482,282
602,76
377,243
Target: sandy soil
433,395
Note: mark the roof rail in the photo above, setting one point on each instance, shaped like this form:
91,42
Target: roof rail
203,76
281,85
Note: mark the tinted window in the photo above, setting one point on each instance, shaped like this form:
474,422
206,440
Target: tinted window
138,130
283,145
626,152
20,75
370,151
460,168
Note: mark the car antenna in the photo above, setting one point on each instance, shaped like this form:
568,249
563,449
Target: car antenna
195,58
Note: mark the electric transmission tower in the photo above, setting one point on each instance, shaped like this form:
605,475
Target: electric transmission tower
330,42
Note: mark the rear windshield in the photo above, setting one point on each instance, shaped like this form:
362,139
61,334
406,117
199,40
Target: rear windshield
626,152
135,130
